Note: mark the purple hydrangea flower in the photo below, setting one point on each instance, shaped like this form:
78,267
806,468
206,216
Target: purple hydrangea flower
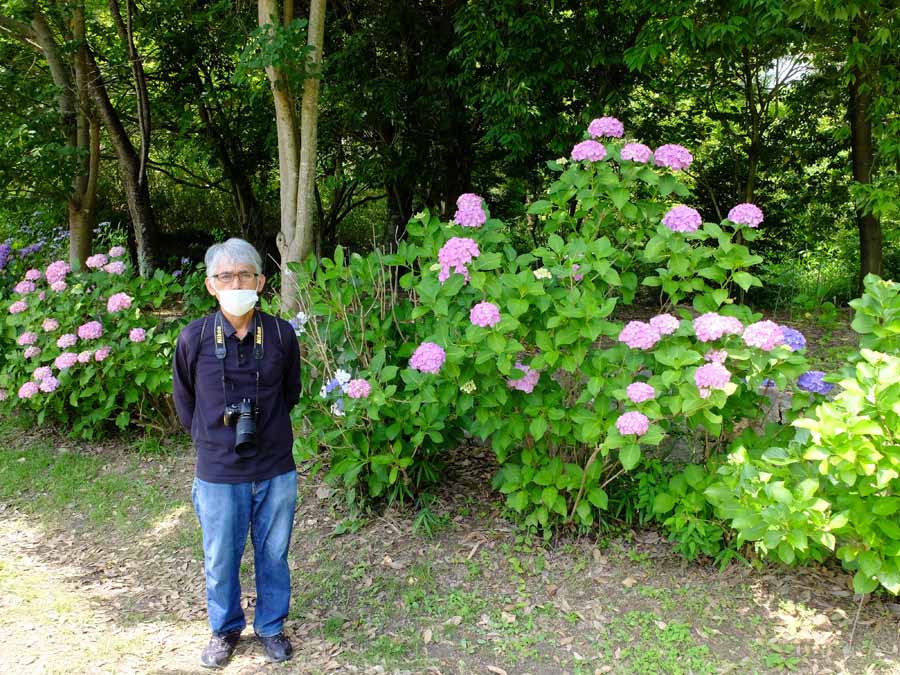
527,382
606,126
428,358
456,254
682,219
470,212
5,250
485,314
636,152
746,214
793,338
673,156
812,381
48,384
639,335
589,150
633,423
638,392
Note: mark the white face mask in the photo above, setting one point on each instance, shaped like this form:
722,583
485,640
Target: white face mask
238,302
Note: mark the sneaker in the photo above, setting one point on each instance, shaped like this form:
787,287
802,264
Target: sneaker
277,647
219,649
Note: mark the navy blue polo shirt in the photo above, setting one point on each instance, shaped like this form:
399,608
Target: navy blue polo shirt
200,399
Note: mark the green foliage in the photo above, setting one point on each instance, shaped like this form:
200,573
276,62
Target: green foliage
833,488
119,380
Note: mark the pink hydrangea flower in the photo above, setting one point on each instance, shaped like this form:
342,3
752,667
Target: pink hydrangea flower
42,295
606,126
137,335
763,334
57,271
633,423
65,360
28,389
41,372
33,274
682,219
712,326
485,314
85,356
48,384
90,330
26,338
31,352
673,156
66,340
716,356
665,324
638,392
118,302
428,358
711,376
18,307
49,325
746,214
115,267
116,251
589,150
469,212
96,261
59,286
456,254
636,152
24,287
358,388
527,382
639,335
101,354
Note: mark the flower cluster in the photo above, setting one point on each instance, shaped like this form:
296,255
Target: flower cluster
682,219
56,272
527,382
638,392
117,251
636,152
96,261
813,381
716,356
712,326
118,302
606,126
469,211
793,338
26,338
485,314
711,376
90,330
456,254
665,324
746,214
428,358
18,307
639,335
633,423
765,335
137,335
66,340
24,287
298,322
33,274
589,150
542,273
673,156
65,360
116,267
49,324
358,388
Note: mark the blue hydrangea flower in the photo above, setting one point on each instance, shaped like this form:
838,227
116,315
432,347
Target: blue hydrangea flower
812,381
793,338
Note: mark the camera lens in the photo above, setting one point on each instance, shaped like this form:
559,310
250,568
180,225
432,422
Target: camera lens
245,430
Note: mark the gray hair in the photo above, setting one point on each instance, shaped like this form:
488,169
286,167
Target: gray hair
237,251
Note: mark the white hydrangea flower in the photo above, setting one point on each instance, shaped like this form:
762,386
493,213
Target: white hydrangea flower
336,411
542,273
469,387
343,377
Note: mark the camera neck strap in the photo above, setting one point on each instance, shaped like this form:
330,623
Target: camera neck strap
221,351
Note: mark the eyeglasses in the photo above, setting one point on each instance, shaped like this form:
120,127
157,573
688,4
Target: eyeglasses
228,277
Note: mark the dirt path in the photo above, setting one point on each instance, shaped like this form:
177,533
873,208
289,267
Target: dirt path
477,597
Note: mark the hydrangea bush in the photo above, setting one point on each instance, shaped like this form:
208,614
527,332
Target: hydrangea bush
90,349
520,350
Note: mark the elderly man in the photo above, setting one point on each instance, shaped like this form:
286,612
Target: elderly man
236,378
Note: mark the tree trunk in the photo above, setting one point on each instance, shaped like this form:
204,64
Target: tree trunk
862,156
134,179
296,245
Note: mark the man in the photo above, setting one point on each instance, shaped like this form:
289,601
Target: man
236,378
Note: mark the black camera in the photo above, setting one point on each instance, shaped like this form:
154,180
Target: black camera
242,416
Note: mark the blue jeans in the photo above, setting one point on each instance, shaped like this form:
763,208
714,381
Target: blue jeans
226,512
